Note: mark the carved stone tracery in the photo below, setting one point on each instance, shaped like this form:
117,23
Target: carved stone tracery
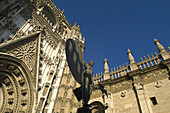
26,53
12,26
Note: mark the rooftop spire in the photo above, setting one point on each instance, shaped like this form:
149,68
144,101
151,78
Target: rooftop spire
131,58
106,67
132,63
164,54
159,46
75,23
106,70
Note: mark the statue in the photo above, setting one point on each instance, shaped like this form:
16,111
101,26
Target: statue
87,82
82,72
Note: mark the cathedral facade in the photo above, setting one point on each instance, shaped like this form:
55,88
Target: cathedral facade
35,77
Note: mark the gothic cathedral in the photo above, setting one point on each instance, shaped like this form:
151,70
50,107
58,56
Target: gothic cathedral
35,77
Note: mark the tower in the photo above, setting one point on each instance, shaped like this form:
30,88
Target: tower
32,55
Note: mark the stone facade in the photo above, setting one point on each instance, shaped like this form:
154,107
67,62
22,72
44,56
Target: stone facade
33,63
141,87
35,77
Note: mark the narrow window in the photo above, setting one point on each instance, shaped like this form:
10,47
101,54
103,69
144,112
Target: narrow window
153,100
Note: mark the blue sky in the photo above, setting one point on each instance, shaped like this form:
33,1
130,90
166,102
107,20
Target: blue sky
110,27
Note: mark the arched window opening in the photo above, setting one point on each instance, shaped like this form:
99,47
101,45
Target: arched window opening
49,14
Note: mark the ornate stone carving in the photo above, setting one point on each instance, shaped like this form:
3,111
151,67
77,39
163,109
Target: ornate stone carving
52,7
10,11
123,93
26,53
36,26
155,73
158,84
26,14
12,26
50,41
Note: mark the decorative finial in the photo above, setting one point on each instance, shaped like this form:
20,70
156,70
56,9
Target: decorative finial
106,67
39,10
83,38
75,23
105,60
159,46
129,51
164,54
131,58
155,40
62,12
132,62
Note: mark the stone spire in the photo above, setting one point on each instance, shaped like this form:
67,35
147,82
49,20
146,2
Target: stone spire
106,67
76,26
75,23
106,70
131,58
164,54
159,46
76,31
132,62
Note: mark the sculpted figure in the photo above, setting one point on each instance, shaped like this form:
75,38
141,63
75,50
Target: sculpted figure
82,72
87,82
